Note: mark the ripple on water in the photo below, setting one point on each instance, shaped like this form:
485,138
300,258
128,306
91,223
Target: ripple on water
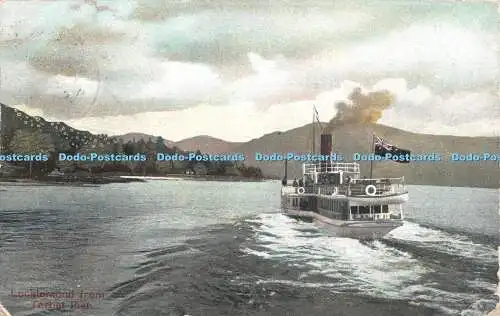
373,268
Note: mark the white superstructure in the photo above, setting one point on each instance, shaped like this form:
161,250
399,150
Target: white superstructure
334,193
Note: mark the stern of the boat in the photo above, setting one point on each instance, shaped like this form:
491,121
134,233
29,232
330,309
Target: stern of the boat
367,230
394,199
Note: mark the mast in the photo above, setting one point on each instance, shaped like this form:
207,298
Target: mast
286,168
1,110
373,151
284,181
313,131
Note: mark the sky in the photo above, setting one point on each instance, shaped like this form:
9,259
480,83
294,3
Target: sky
236,70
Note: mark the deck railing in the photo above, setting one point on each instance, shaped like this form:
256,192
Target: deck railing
330,167
379,180
288,190
356,187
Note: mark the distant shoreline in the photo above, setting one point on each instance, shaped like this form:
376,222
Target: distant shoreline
198,178
69,180
76,180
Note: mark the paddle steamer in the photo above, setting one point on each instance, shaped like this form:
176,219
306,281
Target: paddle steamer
334,194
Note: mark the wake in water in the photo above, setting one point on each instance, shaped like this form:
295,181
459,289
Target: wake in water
441,241
445,271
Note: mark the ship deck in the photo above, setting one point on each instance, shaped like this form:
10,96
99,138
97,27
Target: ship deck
336,222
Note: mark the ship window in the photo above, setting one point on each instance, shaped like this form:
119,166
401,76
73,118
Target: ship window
334,178
377,209
364,210
385,209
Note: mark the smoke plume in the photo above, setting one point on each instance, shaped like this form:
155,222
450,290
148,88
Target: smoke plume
363,108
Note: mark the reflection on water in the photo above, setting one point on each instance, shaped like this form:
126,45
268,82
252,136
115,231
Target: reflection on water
202,247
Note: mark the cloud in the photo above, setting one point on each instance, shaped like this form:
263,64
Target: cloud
268,83
72,87
94,4
415,109
220,37
87,34
74,50
67,62
216,57
181,81
160,10
427,54
457,109
147,10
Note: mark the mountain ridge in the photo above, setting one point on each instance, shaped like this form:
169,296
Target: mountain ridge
207,144
351,138
347,139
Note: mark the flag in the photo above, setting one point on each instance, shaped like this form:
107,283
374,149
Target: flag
385,149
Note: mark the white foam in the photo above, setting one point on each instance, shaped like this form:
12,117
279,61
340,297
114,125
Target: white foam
376,268
449,243
373,268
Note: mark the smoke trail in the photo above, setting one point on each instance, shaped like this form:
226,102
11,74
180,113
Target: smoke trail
363,108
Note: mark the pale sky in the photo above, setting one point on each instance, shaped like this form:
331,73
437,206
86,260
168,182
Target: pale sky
239,69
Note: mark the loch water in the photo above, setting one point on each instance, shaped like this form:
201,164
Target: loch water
221,248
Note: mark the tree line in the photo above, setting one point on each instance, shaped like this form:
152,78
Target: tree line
23,134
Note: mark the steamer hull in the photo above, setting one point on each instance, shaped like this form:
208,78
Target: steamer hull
369,230
334,195
364,230
379,200
344,204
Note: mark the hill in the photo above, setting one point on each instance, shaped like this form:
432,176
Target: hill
207,144
138,136
351,138
20,131
24,134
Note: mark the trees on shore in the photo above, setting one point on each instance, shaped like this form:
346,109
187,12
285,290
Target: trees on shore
27,142
24,134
